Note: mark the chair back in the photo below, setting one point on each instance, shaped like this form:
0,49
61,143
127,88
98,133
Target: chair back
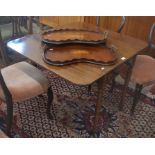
19,22
120,27
97,20
3,86
3,51
151,37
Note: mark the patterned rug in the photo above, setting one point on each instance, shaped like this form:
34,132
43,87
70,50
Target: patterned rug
73,112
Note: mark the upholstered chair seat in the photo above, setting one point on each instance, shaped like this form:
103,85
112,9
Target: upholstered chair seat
19,82
144,70
24,81
2,134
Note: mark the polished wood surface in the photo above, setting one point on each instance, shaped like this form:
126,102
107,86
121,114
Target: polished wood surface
82,73
72,35
75,53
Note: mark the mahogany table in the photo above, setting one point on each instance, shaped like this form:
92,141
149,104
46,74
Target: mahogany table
82,73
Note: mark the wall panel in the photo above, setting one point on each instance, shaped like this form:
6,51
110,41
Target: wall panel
136,26
60,20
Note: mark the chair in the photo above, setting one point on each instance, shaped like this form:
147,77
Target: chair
3,53
120,27
97,20
20,26
16,26
143,72
6,27
2,134
14,78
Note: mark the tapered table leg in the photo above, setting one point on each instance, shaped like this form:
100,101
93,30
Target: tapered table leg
101,85
126,82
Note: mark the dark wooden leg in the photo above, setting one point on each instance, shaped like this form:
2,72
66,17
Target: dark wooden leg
49,104
16,26
30,29
41,95
114,74
136,97
127,79
13,26
89,89
9,118
3,52
126,82
101,84
112,85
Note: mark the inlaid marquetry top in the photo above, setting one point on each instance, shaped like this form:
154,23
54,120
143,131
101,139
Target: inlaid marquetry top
81,73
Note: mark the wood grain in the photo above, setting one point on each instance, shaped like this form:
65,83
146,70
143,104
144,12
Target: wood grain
54,21
72,34
136,26
75,53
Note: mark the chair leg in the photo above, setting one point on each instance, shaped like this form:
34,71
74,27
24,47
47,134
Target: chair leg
136,97
41,95
49,104
89,89
112,85
9,118
114,74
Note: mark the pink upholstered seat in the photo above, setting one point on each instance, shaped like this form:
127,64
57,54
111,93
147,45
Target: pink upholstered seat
152,90
24,81
2,134
144,70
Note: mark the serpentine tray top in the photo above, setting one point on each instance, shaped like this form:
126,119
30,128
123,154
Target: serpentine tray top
66,35
68,46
